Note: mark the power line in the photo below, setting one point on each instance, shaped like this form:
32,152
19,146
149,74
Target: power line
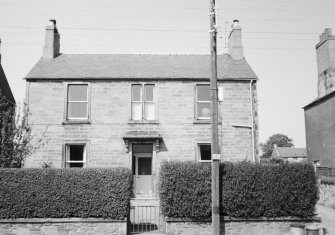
162,30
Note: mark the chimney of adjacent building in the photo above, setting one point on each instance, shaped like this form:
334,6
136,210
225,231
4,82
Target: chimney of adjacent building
51,46
325,52
235,41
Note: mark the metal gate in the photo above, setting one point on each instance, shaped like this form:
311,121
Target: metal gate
145,219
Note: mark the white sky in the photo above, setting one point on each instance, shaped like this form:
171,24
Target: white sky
279,38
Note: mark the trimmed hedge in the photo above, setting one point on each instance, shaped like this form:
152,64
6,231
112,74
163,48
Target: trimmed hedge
62,193
256,190
185,189
248,190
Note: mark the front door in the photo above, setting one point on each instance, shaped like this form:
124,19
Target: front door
142,168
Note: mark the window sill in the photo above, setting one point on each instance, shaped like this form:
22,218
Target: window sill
74,122
201,121
143,122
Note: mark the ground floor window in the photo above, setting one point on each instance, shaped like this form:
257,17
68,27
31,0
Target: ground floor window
75,155
204,152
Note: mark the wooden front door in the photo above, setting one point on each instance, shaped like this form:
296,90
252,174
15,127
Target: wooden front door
142,168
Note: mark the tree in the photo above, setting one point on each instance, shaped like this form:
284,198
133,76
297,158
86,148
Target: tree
15,135
280,140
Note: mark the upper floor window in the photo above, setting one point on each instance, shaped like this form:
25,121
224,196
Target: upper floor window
143,102
77,101
203,103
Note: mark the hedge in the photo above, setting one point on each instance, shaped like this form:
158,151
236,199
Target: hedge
248,190
185,189
62,193
257,190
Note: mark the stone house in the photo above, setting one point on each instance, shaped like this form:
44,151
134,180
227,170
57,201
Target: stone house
289,154
319,114
136,110
4,86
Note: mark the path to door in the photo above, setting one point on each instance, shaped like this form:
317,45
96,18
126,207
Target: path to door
328,218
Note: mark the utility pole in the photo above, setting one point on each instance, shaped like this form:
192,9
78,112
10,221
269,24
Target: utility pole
214,123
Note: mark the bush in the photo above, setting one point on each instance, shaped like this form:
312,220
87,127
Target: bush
61,193
248,190
185,189
327,195
257,190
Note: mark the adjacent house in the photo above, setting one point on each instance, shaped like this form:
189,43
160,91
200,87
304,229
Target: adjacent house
4,86
320,113
289,154
136,110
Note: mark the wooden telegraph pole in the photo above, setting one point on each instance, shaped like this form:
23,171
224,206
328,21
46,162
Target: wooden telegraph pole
214,123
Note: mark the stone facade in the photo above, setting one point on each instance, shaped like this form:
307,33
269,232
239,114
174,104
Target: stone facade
63,227
111,119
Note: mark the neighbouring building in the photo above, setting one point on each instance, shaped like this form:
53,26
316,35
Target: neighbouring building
4,86
319,114
136,110
289,154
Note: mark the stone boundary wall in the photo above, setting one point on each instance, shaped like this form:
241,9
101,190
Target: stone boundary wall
237,226
70,226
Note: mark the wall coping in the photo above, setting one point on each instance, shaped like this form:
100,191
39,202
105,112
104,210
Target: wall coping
60,220
316,218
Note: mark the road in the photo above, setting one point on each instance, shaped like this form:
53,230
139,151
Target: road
328,218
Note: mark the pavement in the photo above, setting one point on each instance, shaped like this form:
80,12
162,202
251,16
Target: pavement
328,218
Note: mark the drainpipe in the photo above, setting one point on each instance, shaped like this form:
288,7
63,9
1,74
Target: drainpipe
252,122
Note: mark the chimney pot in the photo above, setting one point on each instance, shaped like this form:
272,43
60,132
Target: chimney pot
52,22
236,23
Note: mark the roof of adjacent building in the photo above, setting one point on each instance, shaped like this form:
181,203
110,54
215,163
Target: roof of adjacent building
133,66
4,87
287,152
319,100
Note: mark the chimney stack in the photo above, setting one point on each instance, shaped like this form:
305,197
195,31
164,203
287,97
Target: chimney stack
235,41
51,46
325,52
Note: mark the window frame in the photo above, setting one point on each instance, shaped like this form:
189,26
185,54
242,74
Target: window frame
85,120
143,102
67,154
198,144
196,102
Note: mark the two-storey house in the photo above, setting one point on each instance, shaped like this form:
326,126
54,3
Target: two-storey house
136,110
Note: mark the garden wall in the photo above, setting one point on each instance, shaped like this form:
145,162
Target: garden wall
233,226
63,226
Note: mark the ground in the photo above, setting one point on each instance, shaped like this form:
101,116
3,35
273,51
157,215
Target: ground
328,218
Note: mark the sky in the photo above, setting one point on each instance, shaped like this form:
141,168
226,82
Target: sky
279,38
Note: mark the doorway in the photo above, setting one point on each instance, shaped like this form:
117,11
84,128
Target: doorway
142,168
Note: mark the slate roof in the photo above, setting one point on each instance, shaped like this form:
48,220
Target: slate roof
319,100
4,87
133,66
287,152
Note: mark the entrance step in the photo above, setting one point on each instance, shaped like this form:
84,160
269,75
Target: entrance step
144,201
